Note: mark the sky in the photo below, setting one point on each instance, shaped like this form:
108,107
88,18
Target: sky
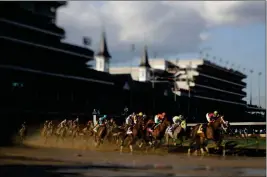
231,30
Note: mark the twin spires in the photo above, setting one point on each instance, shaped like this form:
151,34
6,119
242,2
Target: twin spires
103,56
144,60
103,51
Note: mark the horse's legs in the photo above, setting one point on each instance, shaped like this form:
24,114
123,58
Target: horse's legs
167,139
207,149
181,138
122,142
190,145
133,140
203,145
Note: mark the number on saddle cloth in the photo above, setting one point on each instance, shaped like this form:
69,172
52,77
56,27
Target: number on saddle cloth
129,131
183,124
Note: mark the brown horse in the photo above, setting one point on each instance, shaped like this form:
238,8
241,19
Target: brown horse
100,134
83,131
47,131
137,133
114,132
211,131
158,133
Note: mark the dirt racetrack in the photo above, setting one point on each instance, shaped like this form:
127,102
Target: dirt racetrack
57,160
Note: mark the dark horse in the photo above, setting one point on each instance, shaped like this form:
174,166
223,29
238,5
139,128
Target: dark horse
100,134
211,131
158,133
137,133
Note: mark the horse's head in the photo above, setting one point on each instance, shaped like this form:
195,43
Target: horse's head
224,124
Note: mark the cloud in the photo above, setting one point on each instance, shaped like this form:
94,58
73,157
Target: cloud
168,27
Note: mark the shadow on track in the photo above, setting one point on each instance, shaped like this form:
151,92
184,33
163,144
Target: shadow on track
16,170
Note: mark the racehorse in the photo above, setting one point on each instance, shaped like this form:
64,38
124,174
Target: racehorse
87,130
158,133
100,134
61,133
179,131
22,133
210,131
47,132
114,132
137,133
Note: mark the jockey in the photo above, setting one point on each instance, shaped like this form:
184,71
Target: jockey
211,117
130,122
76,121
23,125
100,122
50,124
176,121
113,123
158,119
46,124
102,119
136,117
63,123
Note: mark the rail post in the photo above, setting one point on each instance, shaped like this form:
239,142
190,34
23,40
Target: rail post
95,113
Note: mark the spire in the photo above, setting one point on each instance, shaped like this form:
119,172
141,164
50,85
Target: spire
144,61
103,46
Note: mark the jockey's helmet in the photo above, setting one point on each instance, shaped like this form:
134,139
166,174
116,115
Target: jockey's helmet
163,114
215,113
140,114
105,116
181,116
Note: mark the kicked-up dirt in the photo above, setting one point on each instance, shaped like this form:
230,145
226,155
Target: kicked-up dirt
67,159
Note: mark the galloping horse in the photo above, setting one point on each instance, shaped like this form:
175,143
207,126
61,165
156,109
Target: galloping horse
211,131
137,133
61,133
178,132
87,129
100,134
47,132
114,132
22,133
158,133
